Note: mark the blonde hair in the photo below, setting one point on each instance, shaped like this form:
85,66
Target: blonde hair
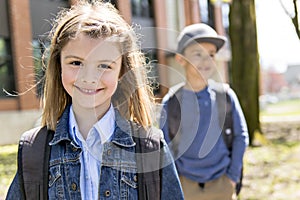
134,97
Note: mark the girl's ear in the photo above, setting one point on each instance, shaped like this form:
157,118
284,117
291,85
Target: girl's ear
180,59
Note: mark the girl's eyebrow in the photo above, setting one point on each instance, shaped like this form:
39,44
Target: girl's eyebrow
107,61
70,56
100,61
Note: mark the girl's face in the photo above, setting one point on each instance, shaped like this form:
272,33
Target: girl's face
90,71
199,60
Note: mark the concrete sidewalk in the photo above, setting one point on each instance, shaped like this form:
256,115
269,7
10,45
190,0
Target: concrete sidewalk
14,123
269,119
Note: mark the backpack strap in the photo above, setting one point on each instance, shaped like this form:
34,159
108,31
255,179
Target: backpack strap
149,184
33,161
224,111
174,120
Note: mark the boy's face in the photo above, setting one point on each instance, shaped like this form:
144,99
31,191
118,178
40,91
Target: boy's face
199,60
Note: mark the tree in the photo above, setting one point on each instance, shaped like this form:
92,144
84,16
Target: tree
294,16
245,68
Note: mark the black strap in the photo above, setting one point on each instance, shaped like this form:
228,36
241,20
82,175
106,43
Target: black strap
149,183
33,162
225,117
20,171
174,121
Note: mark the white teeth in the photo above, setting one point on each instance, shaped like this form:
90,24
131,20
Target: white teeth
88,91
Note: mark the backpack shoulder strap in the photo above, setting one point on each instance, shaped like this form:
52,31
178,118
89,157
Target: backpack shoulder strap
33,161
172,91
174,119
148,164
224,111
174,110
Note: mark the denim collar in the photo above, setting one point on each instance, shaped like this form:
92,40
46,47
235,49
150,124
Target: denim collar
122,135
62,128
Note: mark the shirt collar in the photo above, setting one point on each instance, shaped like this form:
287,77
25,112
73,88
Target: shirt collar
121,136
104,127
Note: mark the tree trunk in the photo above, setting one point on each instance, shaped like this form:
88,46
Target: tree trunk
295,19
245,62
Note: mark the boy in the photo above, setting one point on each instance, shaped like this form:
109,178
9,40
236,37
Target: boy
207,168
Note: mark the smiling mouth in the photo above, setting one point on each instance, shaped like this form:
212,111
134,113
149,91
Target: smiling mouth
88,91
204,68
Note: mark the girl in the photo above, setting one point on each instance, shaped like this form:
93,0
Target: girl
99,104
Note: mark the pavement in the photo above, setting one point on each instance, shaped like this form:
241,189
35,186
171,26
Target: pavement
270,119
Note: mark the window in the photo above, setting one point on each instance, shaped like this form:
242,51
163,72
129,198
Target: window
204,10
152,73
6,68
142,8
39,47
142,14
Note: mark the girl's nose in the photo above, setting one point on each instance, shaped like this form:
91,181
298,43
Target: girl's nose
89,76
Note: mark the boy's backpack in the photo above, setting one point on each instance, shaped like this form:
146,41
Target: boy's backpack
33,162
225,118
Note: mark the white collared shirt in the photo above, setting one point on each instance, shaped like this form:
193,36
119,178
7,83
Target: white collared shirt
92,149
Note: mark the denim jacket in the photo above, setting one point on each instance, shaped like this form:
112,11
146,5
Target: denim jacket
118,172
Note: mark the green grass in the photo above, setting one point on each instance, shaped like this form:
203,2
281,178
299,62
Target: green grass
272,172
282,108
8,167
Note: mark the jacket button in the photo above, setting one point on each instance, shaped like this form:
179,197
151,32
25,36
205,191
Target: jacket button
74,186
107,193
74,149
109,152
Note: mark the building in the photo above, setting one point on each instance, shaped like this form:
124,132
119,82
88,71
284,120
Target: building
23,38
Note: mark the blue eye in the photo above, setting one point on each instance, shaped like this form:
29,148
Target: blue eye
104,66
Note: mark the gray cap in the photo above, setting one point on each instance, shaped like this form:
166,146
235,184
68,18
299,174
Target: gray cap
199,33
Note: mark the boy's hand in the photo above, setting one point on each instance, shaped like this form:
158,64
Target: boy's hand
233,183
